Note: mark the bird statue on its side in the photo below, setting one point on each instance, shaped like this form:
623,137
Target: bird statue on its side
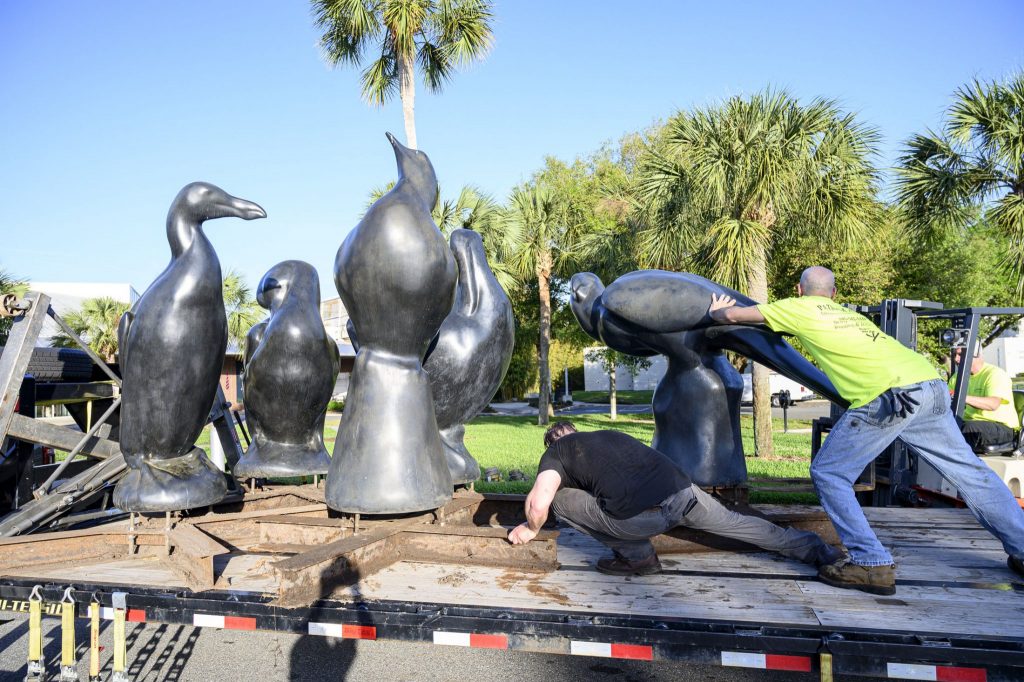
697,403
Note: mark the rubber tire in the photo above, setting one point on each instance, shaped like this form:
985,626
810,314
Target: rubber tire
59,364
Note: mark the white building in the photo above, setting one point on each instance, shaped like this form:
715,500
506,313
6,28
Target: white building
335,317
67,297
596,379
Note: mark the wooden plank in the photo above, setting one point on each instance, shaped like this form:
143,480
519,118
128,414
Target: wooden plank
581,591
301,534
304,578
53,550
308,576
478,547
208,519
277,548
192,556
17,353
318,521
59,437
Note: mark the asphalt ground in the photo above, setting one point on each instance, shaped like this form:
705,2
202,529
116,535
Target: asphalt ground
807,409
177,653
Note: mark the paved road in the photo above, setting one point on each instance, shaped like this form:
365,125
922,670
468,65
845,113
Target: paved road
172,653
808,409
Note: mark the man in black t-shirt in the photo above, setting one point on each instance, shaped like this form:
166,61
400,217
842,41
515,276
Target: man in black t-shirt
616,489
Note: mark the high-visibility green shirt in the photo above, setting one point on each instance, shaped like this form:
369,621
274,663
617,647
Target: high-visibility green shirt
994,382
860,360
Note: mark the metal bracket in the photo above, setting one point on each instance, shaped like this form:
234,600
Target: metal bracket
12,306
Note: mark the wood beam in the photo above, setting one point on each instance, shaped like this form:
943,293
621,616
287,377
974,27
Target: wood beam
60,437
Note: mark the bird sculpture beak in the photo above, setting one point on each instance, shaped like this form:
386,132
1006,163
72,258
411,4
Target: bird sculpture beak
246,210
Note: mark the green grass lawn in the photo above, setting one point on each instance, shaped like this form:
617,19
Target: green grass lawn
518,442
621,397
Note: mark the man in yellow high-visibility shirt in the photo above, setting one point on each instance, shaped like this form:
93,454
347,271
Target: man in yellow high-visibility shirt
893,393
990,417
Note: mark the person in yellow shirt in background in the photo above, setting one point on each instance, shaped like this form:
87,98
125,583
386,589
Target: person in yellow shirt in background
893,393
990,417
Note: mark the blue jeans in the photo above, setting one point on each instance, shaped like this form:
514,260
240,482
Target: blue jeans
931,431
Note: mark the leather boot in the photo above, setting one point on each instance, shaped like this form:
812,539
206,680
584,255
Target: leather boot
851,576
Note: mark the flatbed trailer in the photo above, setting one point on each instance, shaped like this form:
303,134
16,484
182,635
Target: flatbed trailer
449,578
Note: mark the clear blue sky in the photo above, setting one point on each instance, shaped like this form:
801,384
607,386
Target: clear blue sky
108,108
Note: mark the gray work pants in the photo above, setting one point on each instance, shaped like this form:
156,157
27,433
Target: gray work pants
630,538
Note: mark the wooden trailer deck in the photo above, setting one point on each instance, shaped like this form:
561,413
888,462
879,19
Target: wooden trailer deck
952,575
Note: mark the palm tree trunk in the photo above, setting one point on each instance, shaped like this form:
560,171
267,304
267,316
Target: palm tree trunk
544,341
757,289
407,91
613,398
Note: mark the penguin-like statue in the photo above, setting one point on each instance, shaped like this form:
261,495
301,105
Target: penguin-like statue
291,366
696,404
396,277
472,353
171,350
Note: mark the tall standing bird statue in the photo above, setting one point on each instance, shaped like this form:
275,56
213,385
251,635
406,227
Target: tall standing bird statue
472,352
291,366
172,345
396,277
696,404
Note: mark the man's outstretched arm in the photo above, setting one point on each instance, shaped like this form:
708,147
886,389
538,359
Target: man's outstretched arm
724,310
538,503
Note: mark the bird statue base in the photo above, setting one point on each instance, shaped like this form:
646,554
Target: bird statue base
266,458
392,459
463,467
158,485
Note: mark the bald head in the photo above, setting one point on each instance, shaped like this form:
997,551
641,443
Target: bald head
817,281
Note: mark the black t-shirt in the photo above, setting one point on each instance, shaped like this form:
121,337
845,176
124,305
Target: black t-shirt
624,475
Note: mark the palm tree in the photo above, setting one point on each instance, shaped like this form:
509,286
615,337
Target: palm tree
439,35
729,182
974,166
532,226
96,323
240,307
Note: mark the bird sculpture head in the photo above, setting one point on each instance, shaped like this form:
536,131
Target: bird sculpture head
284,278
201,201
416,171
586,289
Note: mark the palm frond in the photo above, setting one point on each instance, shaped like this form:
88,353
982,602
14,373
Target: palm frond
380,79
464,29
436,66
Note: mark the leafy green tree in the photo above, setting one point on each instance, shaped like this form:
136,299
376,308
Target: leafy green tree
957,269
973,167
435,36
241,308
866,271
96,323
599,195
610,361
725,184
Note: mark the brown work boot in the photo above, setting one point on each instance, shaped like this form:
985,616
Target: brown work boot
616,565
851,576
1015,564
